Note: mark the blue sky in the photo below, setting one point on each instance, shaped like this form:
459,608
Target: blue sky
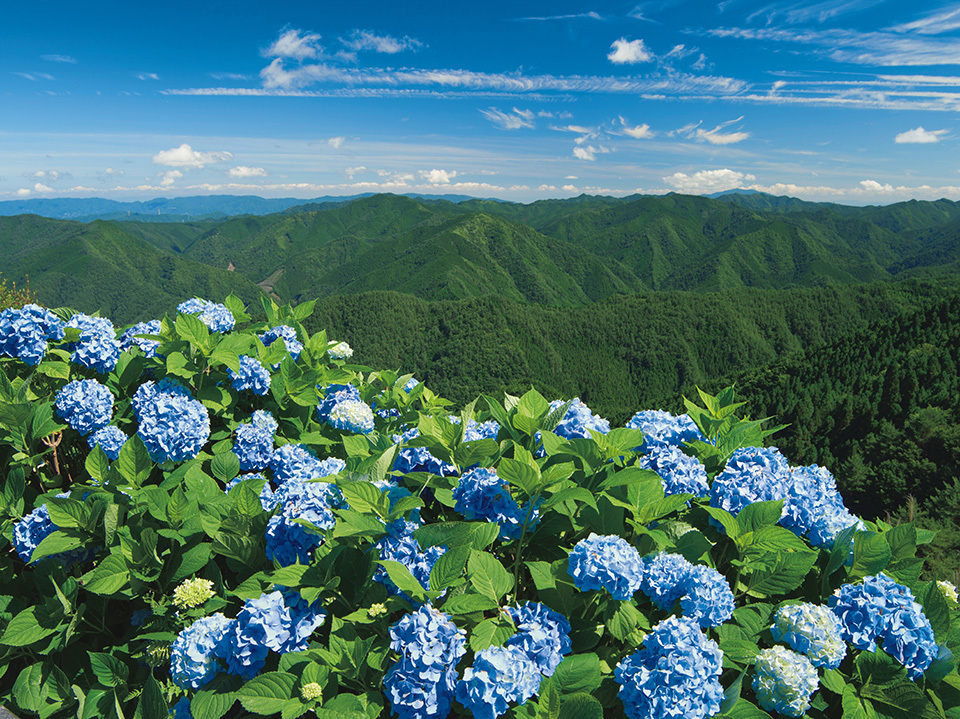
853,101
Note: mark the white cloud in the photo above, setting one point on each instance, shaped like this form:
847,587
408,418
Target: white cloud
39,187
571,177
638,132
59,58
509,121
874,186
569,188
547,188
169,177
707,181
244,171
351,171
366,40
933,24
629,52
148,76
589,152
23,192
919,136
336,142
576,16
438,177
47,175
715,137
186,156
34,76
296,45
113,171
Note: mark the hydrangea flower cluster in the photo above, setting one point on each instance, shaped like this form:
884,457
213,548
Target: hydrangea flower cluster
675,674
254,441
949,591
681,473
351,416
24,332
704,593
784,681
499,677
280,621
253,376
422,683
289,337
85,404
481,494
294,461
606,562
419,459
129,339
110,439
37,526
333,395
578,420
173,425
401,546
880,609
340,351
98,348
812,506
542,634
480,430
662,429
288,541
214,315
193,656
192,593
813,630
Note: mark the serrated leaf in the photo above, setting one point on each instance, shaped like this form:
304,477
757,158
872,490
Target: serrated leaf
759,514
786,574
110,576
134,463
448,568
488,576
225,466
580,706
193,330
469,603
266,694
365,497
478,535
152,705
97,464
28,689
492,632
578,673
25,629
405,581
109,671
871,555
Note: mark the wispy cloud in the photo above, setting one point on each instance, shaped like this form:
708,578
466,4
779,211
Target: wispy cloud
188,158
638,132
515,120
366,40
244,171
59,58
574,16
147,76
239,77
629,52
793,12
933,24
48,175
919,136
336,142
169,177
33,76
296,45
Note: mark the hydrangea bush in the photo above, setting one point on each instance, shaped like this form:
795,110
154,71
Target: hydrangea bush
209,516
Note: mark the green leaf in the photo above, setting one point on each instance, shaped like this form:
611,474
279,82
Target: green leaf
871,555
786,574
215,699
743,709
577,673
28,689
532,404
25,629
936,609
492,632
854,707
549,704
225,466
110,576
478,535
405,581
834,681
448,568
469,603
110,671
55,543
193,330
97,464
266,694
580,706
134,463
519,474
67,512
365,497
488,576
727,520
152,704
759,514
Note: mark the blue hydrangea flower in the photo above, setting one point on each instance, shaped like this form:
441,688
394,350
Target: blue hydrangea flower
333,395
267,499
172,425
193,656
85,404
214,315
419,459
181,710
254,441
129,339
681,473
499,677
662,429
288,541
24,333
253,376
608,562
675,674
94,325
31,530
578,420
98,347
351,416
481,430
411,383
289,337
752,474
665,578
813,506
420,692
481,494
294,461
812,630
401,546
427,637
110,439
880,609
784,681
708,597
542,634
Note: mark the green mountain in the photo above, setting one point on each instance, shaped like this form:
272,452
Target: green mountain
99,266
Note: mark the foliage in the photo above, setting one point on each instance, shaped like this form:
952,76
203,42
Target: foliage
15,297
149,583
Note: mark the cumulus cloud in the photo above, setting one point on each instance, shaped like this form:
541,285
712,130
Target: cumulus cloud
169,177
23,192
589,152
366,40
874,186
629,52
185,156
296,45
40,187
438,177
919,136
706,181
244,171
639,132
569,188
509,120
